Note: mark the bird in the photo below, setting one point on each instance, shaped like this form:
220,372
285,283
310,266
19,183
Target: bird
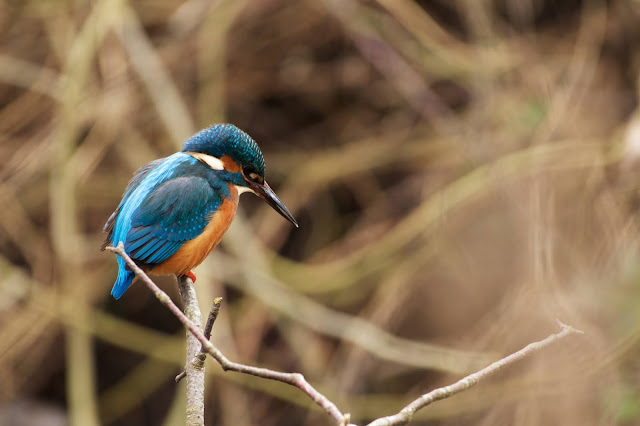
176,209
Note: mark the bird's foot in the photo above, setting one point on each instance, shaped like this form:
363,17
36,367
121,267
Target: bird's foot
191,275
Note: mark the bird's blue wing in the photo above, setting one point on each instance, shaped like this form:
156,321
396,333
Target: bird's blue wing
175,212
159,200
133,184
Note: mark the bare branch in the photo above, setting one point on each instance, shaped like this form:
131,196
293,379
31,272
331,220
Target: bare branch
198,361
298,380
294,379
193,371
405,415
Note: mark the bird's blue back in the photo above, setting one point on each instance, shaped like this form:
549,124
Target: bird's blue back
167,203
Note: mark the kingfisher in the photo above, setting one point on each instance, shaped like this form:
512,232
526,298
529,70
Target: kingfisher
175,210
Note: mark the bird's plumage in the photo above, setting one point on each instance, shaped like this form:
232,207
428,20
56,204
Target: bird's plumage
176,209
194,251
237,145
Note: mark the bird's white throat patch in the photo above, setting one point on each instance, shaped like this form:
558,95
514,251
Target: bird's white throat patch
243,189
210,160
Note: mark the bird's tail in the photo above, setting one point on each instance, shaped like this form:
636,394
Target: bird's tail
124,280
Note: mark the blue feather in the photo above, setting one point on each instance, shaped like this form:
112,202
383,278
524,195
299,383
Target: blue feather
124,280
139,242
139,188
146,251
166,251
163,207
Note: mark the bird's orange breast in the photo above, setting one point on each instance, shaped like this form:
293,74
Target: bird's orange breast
194,251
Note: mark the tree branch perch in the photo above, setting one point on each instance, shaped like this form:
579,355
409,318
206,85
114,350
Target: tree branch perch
295,379
194,372
198,361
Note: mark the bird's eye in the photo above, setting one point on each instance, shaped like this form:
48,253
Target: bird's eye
251,174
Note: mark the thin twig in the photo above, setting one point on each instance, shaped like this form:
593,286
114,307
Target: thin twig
294,379
198,361
405,415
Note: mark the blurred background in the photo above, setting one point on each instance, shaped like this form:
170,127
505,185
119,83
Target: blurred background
464,173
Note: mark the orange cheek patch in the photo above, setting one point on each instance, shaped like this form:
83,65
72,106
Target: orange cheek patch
229,164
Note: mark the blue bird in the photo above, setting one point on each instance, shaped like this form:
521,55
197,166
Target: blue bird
175,210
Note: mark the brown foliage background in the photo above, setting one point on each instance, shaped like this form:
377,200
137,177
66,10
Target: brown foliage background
464,173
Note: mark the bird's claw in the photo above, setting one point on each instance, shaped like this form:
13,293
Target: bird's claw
191,275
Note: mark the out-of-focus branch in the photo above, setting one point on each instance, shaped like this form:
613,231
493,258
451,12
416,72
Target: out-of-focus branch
405,415
568,154
294,379
64,212
29,75
400,74
256,279
155,77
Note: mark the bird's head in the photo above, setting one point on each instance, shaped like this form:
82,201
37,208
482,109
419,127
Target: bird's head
225,147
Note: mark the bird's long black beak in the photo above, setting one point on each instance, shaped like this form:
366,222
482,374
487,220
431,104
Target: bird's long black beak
265,192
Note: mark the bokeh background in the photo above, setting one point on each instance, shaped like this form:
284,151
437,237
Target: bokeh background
464,174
